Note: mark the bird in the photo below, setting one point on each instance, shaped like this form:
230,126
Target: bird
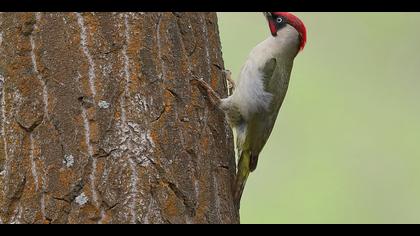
253,106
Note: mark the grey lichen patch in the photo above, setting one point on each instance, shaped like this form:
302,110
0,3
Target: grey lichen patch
103,104
68,160
81,199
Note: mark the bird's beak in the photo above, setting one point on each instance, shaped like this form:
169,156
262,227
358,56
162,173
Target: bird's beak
267,14
271,23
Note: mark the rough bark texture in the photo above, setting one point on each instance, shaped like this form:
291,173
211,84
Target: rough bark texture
100,122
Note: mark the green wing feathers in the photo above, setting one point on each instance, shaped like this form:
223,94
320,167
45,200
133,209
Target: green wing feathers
268,71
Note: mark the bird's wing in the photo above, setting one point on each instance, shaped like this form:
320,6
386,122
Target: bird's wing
276,78
268,71
276,75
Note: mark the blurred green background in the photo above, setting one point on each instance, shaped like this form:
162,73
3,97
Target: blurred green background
346,145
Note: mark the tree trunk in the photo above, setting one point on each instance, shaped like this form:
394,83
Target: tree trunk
100,122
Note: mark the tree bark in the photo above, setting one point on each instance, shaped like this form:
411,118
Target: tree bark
100,122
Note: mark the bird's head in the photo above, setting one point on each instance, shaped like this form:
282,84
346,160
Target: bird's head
277,20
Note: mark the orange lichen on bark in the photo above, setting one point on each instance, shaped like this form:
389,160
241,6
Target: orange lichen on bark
128,138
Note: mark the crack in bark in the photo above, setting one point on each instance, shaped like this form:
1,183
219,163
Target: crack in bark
224,167
104,154
62,199
173,93
189,205
111,207
177,14
218,66
70,197
48,220
160,114
31,128
86,101
113,50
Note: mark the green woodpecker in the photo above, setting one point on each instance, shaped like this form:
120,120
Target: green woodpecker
253,106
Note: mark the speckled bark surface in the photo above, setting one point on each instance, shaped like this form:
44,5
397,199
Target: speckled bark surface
101,124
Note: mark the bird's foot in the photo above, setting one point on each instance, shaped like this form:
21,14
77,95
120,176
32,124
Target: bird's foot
230,83
213,96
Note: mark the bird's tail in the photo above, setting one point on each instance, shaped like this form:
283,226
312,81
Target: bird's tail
241,176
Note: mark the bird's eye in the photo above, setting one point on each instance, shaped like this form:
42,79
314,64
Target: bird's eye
279,20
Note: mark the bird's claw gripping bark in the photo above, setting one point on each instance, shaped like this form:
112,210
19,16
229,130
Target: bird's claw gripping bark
213,96
230,83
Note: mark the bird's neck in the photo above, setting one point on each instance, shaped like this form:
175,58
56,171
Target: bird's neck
285,45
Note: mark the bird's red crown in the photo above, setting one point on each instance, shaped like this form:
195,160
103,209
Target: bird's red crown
295,22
